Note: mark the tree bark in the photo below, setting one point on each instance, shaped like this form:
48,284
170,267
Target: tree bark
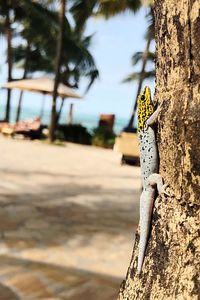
171,268
9,61
57,71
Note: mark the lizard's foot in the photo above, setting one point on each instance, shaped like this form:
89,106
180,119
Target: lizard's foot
156,179
163,190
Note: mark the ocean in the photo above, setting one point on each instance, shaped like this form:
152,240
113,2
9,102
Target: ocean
88,121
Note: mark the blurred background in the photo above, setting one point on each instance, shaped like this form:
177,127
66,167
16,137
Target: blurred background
70,181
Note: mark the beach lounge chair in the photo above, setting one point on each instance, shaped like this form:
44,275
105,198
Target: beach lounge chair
107,120
30,129
127,145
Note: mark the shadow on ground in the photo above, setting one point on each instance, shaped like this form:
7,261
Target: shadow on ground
23,279
56,214
57,227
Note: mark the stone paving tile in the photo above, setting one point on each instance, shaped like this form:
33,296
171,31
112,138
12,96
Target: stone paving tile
29,286
45,281
67,222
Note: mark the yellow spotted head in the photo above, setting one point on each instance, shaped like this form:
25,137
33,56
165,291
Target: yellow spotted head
145,107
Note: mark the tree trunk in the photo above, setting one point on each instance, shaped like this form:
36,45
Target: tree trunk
9,61
57,70
70,115
171,268
19,107
60,110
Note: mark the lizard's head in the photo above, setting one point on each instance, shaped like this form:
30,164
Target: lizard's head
145,107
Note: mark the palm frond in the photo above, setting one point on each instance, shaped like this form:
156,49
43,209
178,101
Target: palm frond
110,8
151,24
136,76
81,11
92,75
138,56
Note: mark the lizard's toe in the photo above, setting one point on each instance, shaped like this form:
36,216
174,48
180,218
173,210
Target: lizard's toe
163,190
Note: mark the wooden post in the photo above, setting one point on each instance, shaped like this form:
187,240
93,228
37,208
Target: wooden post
70,115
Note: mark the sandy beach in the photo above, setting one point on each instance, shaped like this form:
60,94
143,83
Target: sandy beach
68,217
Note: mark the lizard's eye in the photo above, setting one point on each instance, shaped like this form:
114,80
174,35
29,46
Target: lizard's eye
142,97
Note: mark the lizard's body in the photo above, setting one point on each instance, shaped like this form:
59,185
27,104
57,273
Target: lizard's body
147,115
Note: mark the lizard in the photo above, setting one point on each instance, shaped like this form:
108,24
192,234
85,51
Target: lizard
149,162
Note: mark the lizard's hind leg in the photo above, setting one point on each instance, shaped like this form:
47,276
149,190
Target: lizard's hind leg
146,207
157,180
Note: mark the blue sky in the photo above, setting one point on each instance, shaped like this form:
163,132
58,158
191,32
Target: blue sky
114,42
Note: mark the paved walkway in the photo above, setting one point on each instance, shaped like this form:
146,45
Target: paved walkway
67,221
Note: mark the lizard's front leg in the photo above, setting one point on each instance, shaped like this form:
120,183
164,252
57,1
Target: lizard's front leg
154,117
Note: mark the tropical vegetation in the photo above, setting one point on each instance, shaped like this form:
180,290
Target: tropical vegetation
64,51
33,27
81,11
144,58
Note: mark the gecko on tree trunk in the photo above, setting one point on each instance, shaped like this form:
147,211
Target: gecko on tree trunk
171,269
149,162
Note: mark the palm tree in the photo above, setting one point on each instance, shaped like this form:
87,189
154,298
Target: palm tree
57,69
6,29
10,12
38,54
27,54
145,57
34,19
82,9
171,268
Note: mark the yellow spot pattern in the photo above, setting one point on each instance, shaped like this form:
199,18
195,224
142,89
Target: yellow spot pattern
145,108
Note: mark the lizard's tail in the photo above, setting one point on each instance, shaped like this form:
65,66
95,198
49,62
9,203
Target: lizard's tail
146,205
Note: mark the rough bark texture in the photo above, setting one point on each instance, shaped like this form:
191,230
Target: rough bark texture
171,268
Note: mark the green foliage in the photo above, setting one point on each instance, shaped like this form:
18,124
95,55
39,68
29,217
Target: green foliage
136,76
83,9
103,137
75,133
111,8
138,56
36,26
146,56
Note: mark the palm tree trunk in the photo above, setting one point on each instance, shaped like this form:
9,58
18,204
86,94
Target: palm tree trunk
141,79
9,61
60,111
171,266
24,76
57,70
